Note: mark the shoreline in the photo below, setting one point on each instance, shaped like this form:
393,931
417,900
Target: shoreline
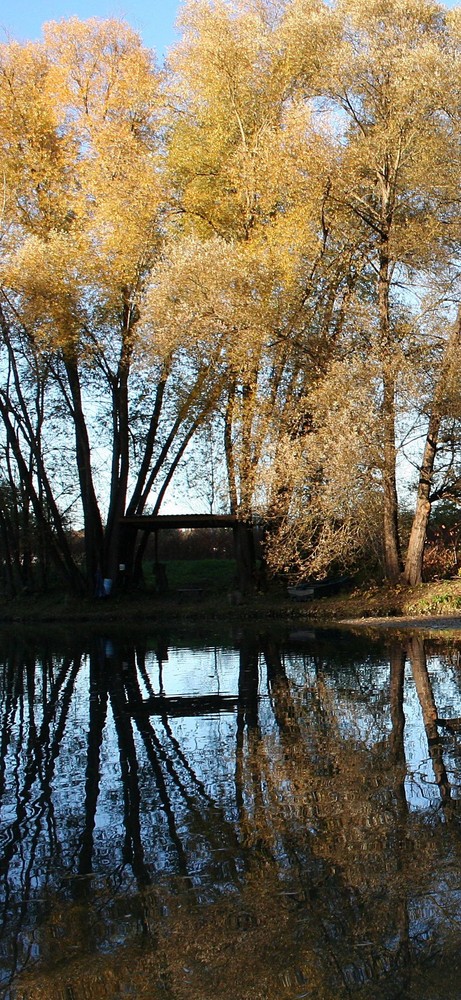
421,622
433,607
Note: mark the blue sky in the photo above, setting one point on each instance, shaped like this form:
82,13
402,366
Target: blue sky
154,19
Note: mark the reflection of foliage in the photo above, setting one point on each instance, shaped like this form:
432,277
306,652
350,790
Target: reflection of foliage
287,864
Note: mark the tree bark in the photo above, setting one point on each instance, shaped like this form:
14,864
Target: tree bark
413,572
94,552
391,540
229,451
56,539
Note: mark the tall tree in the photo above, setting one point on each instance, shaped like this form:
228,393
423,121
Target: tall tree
85,216
443,405
382,78
253,171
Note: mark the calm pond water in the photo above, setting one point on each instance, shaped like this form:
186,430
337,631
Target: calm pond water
251,816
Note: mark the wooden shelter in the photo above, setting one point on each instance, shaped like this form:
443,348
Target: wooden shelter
243,532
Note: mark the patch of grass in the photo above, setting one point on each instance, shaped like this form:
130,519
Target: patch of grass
436,604
437,599
214,575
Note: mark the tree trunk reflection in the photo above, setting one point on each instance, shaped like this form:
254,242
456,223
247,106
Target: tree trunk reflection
97,723
242,833
418,659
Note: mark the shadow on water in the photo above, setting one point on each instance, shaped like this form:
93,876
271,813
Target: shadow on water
259,817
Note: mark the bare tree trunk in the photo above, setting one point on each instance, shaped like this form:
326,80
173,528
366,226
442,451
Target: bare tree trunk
91,513
413,573
121,441
56,539
10,572
229,450
391,541
245,557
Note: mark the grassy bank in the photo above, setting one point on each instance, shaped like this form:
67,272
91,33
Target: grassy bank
210,600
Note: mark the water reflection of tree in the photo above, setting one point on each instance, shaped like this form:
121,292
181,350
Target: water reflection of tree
418,660
38,702
310,887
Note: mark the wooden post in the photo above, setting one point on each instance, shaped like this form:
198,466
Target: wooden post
245,557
